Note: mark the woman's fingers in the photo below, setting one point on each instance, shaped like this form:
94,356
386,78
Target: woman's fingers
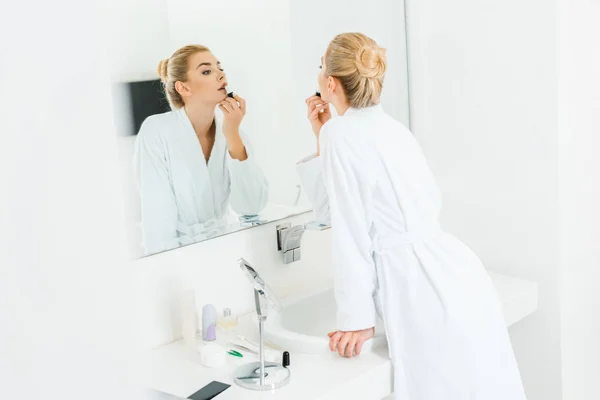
223,108
313,97
316,102
351,345
341,347
333,342
233,103
359,345
241,101
314,114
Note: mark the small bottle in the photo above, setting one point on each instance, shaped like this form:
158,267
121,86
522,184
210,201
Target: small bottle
227,322
209,317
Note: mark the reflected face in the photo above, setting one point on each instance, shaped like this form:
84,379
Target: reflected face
323,81
206,79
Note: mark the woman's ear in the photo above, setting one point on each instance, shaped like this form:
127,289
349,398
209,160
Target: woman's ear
331,84
182,89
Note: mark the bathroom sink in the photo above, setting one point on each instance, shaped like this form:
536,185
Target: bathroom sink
303,323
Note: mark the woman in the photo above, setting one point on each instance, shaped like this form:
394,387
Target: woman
446,333
191,163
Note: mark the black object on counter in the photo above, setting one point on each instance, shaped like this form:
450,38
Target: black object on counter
286,359
209,391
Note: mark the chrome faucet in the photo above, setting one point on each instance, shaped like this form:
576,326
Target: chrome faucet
289,239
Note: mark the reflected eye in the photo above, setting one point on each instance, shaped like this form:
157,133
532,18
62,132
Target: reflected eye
206,72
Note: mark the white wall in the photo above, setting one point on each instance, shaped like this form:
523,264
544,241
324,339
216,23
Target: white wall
210,269
139,38
64,288
579,122
484,108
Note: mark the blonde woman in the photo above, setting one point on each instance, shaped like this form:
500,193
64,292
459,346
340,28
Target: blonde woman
193,162
444,323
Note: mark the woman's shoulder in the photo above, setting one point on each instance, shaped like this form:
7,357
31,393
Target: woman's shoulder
341,129
160,120
155,125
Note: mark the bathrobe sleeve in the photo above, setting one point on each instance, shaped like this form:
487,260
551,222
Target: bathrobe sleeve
311,176
158,207
249,188
350,186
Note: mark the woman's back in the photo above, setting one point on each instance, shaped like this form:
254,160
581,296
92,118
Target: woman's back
405,197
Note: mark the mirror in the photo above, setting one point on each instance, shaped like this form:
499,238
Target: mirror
190,177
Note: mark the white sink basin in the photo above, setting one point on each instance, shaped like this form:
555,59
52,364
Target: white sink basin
304,322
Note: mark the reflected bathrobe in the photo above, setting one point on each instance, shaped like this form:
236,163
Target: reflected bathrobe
184,198
444,323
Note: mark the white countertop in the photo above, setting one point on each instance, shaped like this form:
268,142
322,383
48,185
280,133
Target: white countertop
177,370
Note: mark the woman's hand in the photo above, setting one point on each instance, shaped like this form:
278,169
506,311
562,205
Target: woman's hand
348,344
234,111
318,113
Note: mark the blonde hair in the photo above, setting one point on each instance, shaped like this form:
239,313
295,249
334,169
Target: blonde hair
175,69
359,63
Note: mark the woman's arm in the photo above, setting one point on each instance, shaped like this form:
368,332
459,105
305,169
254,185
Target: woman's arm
349,186
158,207
249,188
310,169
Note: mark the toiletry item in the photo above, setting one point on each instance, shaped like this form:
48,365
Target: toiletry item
286,359
212,355
231,95
255,344
235,353
211,333
227,322
318,94
244,348
187,306
270,355
209,321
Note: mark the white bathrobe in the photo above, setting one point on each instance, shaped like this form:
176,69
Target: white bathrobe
184,199
444,322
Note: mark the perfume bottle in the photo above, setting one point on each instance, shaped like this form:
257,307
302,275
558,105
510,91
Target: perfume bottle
227,322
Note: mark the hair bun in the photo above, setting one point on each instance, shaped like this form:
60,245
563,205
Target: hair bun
370,62
162,69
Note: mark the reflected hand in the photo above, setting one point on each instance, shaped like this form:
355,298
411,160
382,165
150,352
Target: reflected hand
234,111
318,113
349,344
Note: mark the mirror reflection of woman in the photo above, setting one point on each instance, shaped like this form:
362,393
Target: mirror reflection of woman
192,163
444,323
